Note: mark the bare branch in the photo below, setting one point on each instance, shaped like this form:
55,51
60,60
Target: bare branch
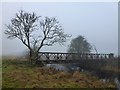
22,26
52,32
27,27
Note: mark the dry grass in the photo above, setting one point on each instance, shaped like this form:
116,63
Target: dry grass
16,74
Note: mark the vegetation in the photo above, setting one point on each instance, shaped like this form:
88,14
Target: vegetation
35,33
18,74
79,45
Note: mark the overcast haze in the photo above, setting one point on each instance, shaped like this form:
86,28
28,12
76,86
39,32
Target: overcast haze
98,22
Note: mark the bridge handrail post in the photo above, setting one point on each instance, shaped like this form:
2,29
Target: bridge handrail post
105,56
47,55
57,56
111,55
91,56
97,56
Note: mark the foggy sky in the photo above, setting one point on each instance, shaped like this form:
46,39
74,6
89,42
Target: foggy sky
97,22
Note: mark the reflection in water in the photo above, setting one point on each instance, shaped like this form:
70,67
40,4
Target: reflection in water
58,67
117,83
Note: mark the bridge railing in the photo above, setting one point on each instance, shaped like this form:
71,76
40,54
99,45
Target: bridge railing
72,56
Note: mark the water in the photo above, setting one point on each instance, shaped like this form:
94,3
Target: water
58,67
105,76
117,83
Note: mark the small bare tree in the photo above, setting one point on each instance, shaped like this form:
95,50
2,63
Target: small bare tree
35,32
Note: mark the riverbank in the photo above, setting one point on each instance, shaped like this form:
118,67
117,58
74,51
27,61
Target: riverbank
17,74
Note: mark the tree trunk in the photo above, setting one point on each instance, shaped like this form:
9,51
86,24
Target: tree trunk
31,56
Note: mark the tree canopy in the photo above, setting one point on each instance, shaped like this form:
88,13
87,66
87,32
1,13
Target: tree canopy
79,45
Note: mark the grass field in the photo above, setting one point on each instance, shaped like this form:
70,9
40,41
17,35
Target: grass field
18,74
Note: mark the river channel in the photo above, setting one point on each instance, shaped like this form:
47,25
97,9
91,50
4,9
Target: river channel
105,76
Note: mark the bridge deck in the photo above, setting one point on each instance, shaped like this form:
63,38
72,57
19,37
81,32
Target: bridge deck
55,57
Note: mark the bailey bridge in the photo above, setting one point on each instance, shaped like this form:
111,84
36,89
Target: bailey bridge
58,57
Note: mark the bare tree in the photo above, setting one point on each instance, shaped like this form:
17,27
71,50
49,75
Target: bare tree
35,32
